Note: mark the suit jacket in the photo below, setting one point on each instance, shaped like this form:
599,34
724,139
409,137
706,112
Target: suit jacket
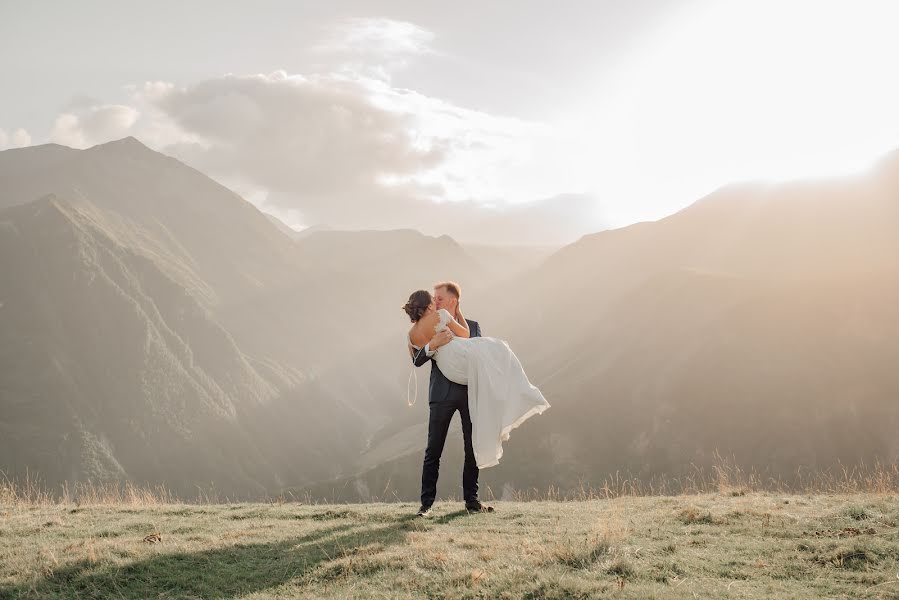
440,386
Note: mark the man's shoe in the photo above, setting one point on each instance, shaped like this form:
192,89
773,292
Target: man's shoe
424,511
477,507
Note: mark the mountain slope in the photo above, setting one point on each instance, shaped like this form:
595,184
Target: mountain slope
111,359
156,327
206,236
761,321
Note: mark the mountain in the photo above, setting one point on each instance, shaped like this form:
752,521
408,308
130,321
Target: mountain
506,262
158,328
298,235
293,233
761,322
282,226
111,369
204,235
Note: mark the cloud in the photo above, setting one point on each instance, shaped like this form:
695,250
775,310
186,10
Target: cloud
87,124
348,148
376,47
316,138
18,139
358,153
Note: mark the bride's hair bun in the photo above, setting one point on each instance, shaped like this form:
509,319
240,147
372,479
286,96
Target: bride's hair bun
417,305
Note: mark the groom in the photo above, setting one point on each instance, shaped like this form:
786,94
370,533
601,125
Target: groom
445,398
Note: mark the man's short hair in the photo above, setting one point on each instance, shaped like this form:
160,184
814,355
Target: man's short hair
452,287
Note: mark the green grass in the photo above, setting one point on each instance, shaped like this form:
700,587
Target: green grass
719,545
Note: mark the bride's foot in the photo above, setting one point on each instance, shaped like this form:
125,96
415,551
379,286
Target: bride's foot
476,507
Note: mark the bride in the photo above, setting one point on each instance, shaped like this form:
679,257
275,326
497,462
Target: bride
500,397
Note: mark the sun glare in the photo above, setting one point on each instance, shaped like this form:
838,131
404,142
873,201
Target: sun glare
744,91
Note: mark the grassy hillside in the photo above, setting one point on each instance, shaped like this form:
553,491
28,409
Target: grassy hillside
725,544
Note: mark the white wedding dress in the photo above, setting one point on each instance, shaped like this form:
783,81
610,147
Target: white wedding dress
500,397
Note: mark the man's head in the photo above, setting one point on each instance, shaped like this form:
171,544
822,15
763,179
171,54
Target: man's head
447,295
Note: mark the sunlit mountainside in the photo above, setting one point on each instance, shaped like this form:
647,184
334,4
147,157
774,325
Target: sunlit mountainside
158,328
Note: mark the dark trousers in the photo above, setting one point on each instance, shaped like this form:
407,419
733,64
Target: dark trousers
441,413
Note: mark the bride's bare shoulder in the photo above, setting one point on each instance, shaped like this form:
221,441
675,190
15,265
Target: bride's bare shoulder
424,321
422,329
414,336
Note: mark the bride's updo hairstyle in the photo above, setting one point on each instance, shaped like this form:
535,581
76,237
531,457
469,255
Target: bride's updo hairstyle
417,305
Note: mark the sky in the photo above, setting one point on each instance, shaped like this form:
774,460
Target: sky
495,122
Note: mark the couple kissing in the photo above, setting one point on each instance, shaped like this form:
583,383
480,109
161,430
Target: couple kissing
479,376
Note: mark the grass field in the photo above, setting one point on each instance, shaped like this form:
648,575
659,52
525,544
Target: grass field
732,544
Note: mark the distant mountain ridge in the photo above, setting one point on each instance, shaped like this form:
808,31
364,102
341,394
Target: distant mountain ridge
761,321
157,327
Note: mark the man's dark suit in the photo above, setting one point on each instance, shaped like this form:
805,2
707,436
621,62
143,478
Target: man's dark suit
444,398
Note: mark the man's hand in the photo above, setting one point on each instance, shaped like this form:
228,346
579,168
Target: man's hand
440,339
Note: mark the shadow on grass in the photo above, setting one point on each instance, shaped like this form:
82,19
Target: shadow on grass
215,573
450,516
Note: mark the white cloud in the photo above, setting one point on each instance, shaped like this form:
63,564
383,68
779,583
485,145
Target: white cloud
17,139
375,47
89,124
385,37
317,137
356,152
21,138
491,158
348,148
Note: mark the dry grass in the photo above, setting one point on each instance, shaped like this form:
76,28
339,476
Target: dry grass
725,534
720,545
725,477
32,491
